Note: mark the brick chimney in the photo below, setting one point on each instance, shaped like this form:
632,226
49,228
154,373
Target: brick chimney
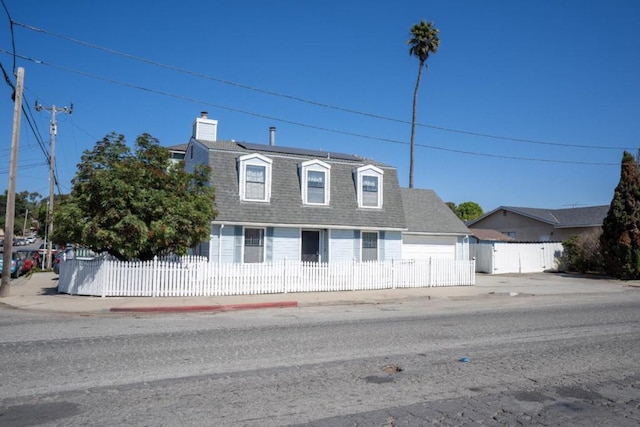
204,128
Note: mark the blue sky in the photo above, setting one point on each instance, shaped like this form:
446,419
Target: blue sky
525,104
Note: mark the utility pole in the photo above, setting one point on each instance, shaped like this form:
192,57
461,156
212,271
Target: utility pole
24,226
11,191
53,130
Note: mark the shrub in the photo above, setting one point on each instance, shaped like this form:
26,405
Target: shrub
582,254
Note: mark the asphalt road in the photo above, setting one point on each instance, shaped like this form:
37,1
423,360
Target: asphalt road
566,360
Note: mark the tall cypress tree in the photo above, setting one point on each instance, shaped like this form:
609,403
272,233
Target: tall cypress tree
620,239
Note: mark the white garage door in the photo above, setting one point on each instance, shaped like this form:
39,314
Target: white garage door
425,247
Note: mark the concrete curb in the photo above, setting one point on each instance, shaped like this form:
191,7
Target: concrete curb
194,308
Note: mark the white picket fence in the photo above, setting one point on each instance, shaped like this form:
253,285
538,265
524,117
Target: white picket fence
195,276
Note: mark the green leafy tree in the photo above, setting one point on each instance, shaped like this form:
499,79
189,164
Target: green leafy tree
135,205
42,212
620,239
25,206
451,206
424,40
468,211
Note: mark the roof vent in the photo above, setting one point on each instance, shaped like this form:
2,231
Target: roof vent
272,135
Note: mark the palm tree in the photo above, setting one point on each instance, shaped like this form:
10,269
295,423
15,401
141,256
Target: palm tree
424,40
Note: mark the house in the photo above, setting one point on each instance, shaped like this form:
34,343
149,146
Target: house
542,225
276,202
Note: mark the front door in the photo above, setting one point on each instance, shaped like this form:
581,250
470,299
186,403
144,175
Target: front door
310,246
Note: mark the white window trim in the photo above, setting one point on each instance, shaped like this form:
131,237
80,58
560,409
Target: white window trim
315,166
254,160
377,243
369,170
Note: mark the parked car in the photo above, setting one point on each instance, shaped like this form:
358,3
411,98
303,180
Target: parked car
43,249
17,264
59,257
29,259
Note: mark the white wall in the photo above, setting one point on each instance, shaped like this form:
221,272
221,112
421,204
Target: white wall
502,258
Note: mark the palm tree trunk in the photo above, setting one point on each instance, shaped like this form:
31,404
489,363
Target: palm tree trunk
413,124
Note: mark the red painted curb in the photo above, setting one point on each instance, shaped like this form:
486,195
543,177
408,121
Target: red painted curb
191,308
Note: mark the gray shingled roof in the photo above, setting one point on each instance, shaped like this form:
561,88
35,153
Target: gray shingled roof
178,147
590,216
488,234
427,213
286,205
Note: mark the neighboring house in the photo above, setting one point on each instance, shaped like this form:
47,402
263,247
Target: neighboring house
487,235
433,230
278,203
176,152
542,225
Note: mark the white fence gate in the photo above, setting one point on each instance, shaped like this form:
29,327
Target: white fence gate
505,257
195,276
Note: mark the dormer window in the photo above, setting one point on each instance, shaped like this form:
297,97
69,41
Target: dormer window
315,186
369,184
370,191
255,178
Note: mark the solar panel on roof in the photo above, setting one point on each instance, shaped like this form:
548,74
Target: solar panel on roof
299,151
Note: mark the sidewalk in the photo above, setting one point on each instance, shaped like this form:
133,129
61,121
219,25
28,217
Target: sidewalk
39,292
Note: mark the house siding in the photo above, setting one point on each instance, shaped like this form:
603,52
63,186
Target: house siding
195,154
525,229
462,248
392,245
341,245
357,244
227,244
286,243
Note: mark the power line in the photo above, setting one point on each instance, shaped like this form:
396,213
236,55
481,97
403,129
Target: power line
13,40
321,128
24,166
28,114
307,101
